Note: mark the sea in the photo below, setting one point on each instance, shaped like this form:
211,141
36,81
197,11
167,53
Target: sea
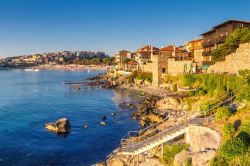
30,99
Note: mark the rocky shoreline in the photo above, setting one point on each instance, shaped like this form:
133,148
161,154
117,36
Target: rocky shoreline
147,113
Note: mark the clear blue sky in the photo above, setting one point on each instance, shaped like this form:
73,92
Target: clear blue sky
36,26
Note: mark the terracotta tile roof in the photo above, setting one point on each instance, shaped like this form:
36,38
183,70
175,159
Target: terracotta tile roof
147,49
132,63
196,40
170,48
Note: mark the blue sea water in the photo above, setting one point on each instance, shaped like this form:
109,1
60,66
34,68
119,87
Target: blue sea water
28,100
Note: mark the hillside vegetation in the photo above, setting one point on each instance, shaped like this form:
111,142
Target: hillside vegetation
232,122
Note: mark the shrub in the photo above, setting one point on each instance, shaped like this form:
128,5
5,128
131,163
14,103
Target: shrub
228,130
187,80
245,159
246,126
170,79
144,76
170,151
206,108
245,74
219,93
223,113
191,93
174,88
233,148
201,92
244,136
218,161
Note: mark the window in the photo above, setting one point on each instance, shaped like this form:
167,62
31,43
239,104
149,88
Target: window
163,70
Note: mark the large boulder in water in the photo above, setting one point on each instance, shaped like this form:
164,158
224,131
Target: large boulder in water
62,125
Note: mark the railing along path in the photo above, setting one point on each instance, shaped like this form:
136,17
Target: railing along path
136,142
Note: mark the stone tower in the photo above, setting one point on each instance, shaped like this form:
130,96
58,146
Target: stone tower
160,65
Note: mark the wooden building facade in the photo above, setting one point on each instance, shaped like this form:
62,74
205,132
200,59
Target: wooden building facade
219,33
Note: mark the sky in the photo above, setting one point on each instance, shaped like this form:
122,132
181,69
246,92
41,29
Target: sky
39,26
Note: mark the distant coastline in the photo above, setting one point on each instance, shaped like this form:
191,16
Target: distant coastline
71,67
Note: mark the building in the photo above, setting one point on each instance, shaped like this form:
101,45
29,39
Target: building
172,51
167,60
121,57
195,49
218,35
145,53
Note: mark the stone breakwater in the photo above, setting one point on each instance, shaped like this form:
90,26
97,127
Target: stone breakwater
239,60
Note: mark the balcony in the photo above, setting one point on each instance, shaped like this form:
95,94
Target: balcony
207,44
221,39
207,53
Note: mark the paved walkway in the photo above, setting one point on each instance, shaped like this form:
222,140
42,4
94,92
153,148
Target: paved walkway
167,134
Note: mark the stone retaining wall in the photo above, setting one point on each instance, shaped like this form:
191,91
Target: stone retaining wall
239,60
178,67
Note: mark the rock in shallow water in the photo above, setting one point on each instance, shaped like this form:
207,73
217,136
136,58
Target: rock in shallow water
103,123
62,125
104,117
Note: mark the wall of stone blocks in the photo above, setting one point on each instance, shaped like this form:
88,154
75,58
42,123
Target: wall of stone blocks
178,67
239,60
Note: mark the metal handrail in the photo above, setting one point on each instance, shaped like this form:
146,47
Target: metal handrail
178,126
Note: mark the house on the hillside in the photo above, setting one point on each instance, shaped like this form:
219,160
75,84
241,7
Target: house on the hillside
218,35
145,53
195,48
121,59
174,52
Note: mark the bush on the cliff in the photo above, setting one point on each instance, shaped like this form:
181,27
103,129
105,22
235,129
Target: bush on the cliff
170,79
218,161
187,80
206,108
170,151
233,148
223,113
245,89
244,136
228,131
246,126
201,92
144,76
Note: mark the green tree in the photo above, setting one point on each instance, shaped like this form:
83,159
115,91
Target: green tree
228,130
223,113
233,148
